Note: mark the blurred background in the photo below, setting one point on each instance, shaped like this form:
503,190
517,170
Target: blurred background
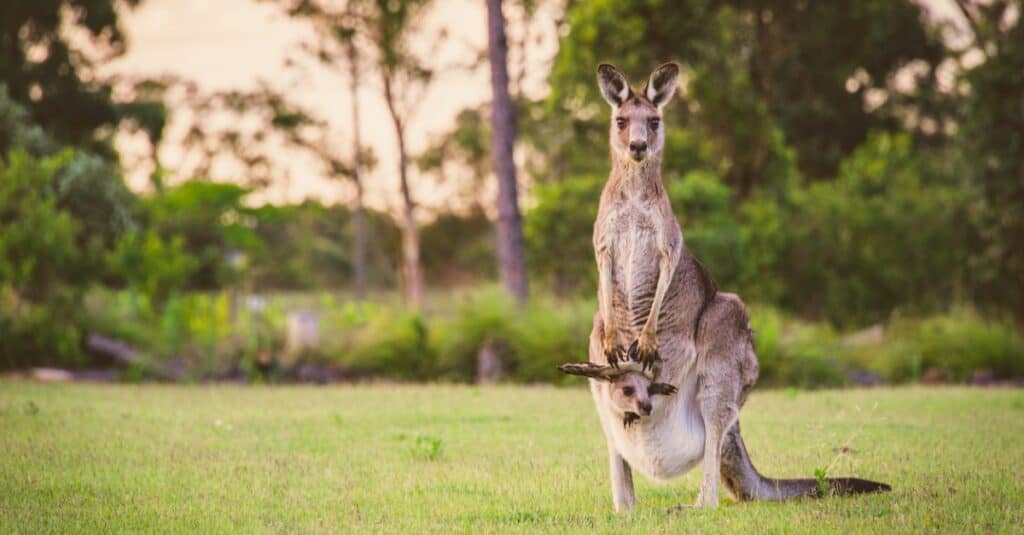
317,190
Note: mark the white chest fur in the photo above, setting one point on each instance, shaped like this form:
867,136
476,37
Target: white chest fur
665,445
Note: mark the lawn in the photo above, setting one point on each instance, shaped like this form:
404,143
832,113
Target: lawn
366,459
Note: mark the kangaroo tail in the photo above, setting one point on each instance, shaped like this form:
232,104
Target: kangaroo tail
745,483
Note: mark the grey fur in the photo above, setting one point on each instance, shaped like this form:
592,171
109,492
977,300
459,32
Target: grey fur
655,298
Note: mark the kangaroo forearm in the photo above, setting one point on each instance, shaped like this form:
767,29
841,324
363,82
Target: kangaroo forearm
606,293
665,272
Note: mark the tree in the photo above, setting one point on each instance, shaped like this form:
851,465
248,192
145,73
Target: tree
385,26
340,33
992,137
405,78
358,161
511,256
753,67
54,80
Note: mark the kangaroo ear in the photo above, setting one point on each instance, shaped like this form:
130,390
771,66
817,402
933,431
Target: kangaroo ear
664,389
588,369
614,87
662,84
601,371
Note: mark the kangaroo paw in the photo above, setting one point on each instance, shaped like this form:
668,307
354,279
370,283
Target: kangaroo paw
615,354
644,353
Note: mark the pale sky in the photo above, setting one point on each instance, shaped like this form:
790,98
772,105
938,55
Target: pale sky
227,44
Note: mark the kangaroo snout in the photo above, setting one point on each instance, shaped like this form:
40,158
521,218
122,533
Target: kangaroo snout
637,149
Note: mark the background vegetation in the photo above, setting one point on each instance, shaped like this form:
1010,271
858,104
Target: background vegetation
854,169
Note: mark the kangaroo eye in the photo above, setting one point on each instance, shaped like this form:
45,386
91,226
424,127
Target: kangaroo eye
627,391
654,123
620,122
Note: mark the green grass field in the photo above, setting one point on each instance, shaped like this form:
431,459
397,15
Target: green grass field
366,459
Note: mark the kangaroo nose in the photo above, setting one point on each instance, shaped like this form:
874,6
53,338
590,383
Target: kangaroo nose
638,146
645,408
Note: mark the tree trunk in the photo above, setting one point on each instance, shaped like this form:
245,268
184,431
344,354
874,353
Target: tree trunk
358,218
412,276
511,259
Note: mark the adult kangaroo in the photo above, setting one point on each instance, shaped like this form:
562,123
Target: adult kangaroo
671,358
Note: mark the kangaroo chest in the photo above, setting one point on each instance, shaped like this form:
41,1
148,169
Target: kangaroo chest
632,232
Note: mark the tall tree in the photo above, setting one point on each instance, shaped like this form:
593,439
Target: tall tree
341,33
511,257
405,78
386,26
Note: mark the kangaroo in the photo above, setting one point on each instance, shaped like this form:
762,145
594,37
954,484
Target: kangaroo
656,297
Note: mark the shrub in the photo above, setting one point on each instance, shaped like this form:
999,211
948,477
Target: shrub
795,353
457,338
957,343
547,334
392,345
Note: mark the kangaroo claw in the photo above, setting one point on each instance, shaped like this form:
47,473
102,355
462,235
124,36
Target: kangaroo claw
614,354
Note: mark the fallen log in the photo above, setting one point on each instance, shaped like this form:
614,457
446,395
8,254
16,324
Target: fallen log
126,354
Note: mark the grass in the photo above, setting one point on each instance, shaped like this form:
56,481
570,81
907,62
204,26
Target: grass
365,459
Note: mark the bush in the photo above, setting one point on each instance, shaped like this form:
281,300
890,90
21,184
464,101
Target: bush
532,341
195,329
391,345
831,246
957,343
39,336
457,339
794,353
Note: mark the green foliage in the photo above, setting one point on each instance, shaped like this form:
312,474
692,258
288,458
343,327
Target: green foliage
794,353
94,193
393,345
213,222
37,239
309,246
458,249
36,335
703,205
831,245
992,140
821,475
17,128
558,231
550,334
208,334
957,344
531,342
751,67
152,266
41,278
483,318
